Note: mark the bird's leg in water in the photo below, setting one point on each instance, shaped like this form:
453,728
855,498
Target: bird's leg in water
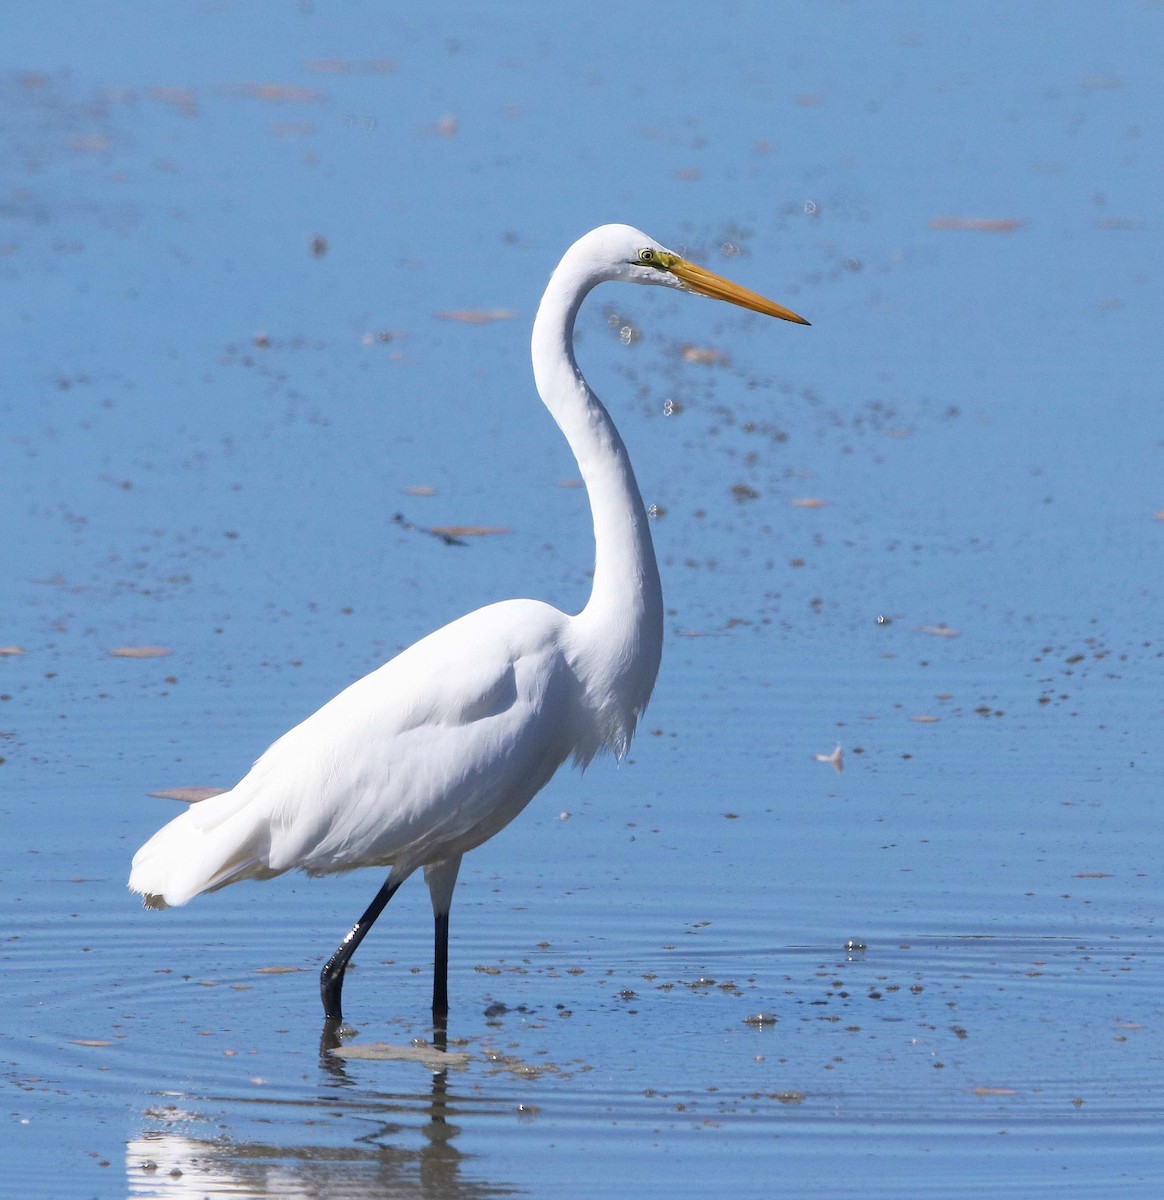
331,978
440,971
441,878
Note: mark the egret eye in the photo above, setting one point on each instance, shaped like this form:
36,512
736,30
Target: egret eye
647,255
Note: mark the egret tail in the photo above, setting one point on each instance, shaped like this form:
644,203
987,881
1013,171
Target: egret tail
211,844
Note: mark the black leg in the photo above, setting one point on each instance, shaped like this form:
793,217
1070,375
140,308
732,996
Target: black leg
331,978
442,878
440,970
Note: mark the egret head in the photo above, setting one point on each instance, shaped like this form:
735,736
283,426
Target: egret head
624,253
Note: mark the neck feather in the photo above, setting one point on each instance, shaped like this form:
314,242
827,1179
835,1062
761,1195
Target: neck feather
619,632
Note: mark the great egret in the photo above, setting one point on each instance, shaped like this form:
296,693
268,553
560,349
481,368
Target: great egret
434,752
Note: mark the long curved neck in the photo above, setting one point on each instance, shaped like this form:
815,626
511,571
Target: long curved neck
621,627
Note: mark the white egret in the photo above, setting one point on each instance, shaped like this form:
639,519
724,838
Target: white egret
434,752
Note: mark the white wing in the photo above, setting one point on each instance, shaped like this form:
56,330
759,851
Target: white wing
421,760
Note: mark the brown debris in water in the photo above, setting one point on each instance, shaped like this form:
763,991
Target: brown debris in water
979,224
476,316
275,93
188,795
429,1056
460,531
705,354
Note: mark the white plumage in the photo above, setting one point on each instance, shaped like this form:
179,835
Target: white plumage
433,753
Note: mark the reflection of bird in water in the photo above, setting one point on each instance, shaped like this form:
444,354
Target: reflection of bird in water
436,751
385,1162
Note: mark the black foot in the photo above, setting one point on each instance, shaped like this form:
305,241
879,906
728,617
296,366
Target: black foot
331,983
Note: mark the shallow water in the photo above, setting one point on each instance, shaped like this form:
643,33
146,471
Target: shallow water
927,530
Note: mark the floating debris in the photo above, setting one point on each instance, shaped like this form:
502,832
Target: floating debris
140,652
705,354
979,224
836,759
760,1018
10,651
463,531
519,1067
942,630
429,1056
419,489
189,795
380,337
477,316
449,539
808,502
275,93
278,970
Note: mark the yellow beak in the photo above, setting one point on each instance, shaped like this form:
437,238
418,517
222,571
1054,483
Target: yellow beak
708,283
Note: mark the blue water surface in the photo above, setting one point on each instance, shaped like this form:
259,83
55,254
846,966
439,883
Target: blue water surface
267,273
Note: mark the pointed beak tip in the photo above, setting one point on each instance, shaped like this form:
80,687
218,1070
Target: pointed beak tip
786,314
708,283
